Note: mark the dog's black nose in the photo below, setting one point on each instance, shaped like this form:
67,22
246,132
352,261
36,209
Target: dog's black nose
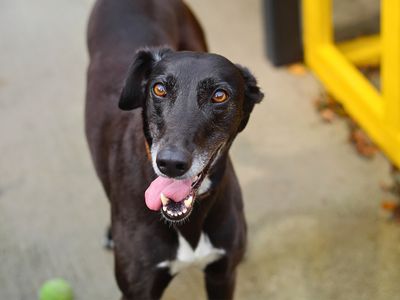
173,162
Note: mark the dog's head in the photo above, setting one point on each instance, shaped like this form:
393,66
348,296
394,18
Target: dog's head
194,104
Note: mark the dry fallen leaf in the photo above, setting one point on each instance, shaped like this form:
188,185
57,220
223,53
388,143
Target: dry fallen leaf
329,109
393,208
362,142
319,104
389,205
297,69
327,114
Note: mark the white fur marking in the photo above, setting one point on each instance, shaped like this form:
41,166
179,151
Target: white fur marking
205,186
154,152
204,254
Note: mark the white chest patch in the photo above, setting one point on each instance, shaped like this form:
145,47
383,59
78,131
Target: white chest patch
204,254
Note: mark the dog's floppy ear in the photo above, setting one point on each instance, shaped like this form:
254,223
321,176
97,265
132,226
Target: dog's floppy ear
252,95
133,92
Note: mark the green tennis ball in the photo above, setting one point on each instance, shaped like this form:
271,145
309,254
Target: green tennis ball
56,289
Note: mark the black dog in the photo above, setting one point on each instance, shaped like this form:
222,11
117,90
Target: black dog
179,204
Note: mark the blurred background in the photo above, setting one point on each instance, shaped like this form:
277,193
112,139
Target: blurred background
317,229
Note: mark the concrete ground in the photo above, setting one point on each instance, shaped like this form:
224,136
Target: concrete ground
316,230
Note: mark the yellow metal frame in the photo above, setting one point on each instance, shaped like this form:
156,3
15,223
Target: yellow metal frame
378,113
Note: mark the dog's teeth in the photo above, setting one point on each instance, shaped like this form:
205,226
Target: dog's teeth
164,199
164,208
180,213
184,210
188,202
169,212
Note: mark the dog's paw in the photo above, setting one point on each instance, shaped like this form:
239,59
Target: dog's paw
108,242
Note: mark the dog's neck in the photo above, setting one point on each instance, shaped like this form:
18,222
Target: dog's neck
191,230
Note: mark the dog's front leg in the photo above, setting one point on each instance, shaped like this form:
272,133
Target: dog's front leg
136,263
149,286
220,280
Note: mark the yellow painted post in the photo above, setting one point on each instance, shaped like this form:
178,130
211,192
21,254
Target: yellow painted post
362,51
390,32
378,113
317,21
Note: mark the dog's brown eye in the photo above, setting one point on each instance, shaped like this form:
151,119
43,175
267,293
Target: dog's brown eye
219,96
160,90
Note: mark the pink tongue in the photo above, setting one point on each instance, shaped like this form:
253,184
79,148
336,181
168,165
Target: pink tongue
177,190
